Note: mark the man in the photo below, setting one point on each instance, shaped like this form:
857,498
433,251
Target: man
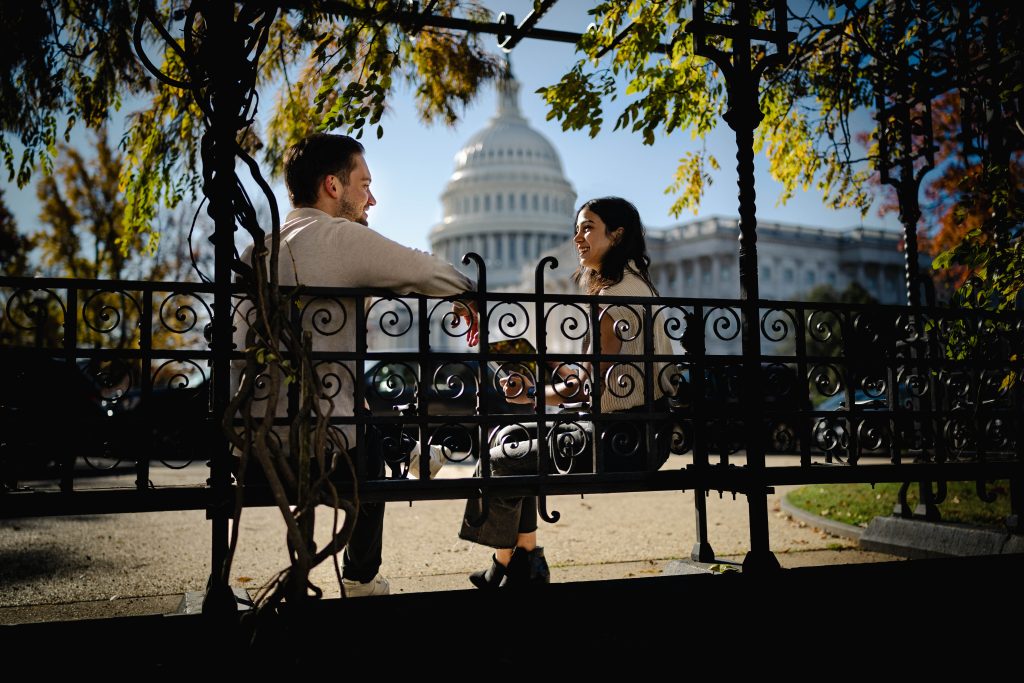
325,242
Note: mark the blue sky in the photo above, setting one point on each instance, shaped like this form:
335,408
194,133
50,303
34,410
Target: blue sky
412,163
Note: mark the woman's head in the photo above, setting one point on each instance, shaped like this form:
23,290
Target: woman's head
608,237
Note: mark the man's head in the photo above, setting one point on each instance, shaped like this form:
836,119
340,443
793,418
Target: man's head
328,172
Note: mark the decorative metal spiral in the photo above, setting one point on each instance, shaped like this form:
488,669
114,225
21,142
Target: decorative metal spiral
874,385
623,439
776,323
629,325
451,323
515,441
620,379
103,317
830,434
677,321
826,378
508,323
779,380
319,313
183,318
993,385
824,326
261,387
569,442
392,385
782,437
457,441
453,375
178,375
29,309
873,435
726,322
570,381
516,387
681,438
574,324
999,435
114,378
333,377
395,316
907,327
917,385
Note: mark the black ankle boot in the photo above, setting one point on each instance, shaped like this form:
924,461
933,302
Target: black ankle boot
528,568
490,578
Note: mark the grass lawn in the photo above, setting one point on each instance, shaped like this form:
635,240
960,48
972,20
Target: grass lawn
857,504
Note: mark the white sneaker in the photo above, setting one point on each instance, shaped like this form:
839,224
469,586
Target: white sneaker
378,585
437,459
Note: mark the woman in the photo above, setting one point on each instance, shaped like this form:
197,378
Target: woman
613,261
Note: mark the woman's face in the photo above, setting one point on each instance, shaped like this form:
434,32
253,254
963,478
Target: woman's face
592,239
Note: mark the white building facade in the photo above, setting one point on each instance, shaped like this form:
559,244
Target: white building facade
508,200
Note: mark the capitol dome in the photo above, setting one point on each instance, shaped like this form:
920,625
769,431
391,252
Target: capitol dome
508,199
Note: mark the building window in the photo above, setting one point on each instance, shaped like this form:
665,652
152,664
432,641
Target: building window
519,153
725,273
547,204
487,203
787,276
535,208
831,277
501,153
476,204
767,272
511,202
522,202
499,248
498,203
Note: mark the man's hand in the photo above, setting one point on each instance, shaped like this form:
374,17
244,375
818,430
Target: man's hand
516,388
467,311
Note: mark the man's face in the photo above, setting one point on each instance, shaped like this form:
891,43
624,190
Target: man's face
355,197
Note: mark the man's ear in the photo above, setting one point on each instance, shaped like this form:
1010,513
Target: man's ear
331,186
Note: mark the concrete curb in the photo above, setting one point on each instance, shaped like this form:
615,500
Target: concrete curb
918,539
835,528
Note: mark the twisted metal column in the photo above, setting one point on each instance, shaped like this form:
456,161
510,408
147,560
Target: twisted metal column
743,116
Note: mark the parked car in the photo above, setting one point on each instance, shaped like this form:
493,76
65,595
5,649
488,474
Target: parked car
51,413
830,433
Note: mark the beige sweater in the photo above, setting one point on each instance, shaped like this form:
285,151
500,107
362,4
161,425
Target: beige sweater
624,386
320,251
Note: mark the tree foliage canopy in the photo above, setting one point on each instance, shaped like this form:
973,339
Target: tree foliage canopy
73,60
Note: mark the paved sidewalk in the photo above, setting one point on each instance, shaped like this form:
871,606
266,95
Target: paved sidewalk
106,565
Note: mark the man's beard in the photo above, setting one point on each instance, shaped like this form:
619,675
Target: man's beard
352,212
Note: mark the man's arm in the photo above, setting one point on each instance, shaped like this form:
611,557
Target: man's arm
381,262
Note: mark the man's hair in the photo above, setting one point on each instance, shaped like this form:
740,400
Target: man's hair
313,158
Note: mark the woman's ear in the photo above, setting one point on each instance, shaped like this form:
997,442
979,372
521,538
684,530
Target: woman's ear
617,234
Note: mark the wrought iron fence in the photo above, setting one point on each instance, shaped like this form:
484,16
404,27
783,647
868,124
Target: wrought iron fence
114,376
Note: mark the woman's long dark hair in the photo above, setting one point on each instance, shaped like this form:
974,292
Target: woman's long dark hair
616,213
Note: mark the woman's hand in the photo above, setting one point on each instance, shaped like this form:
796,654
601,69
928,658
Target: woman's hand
517,389
466,311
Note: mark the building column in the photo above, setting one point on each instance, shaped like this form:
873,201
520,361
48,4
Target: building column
662,283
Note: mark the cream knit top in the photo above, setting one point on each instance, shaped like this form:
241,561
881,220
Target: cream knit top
623,385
